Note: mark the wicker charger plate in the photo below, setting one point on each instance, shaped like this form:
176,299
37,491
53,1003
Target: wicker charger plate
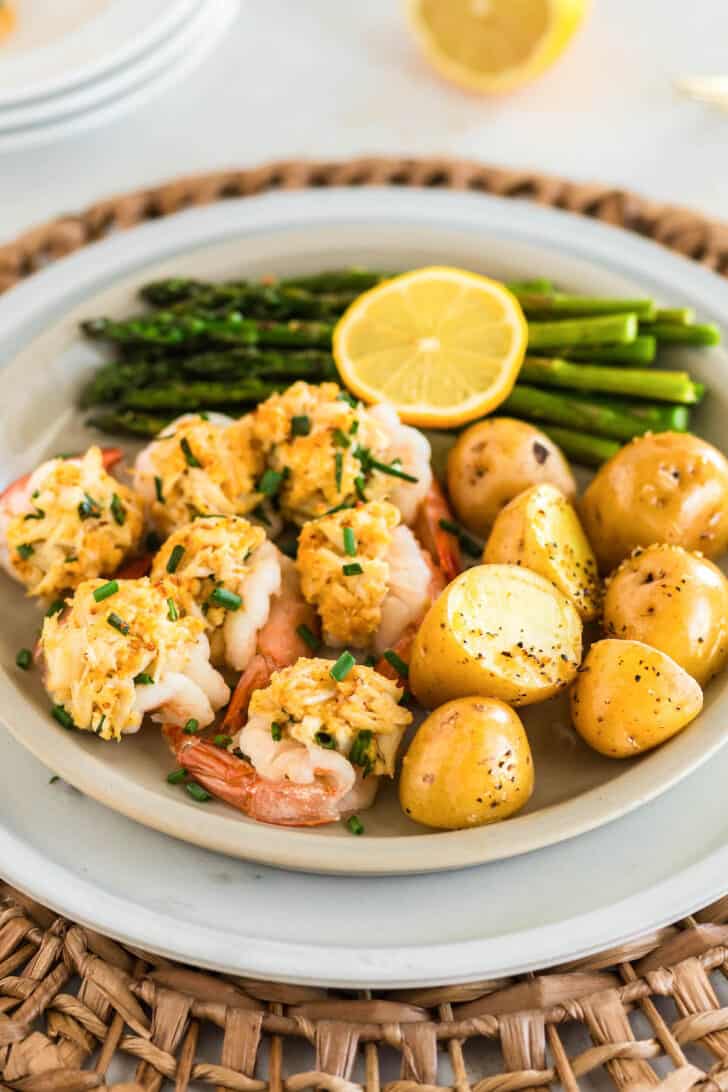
65,991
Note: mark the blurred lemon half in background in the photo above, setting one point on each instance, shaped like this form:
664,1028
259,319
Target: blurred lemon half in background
494,45
7,18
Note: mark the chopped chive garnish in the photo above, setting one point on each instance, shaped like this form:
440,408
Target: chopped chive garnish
227,599
469,545
191,726
354,428
354,825
118,510
158,488
259,513
359,484
270,483
143,679
70,559
176,777
204,416
340,438
349,542
300,425
38,514
344,396
221,740
338,469
172,612
352,569
24,658
391,469
118,623
153,542
64,719
359,753
174,558
56,606
190,457
310,638
339,507
197,792
100,725
370,661
25,550
89,508
324,739
276,731
106,590
343,666
397,662
52,780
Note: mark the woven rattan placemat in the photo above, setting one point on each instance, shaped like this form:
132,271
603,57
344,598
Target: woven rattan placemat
72,1003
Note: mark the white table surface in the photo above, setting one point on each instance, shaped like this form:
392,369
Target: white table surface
326,78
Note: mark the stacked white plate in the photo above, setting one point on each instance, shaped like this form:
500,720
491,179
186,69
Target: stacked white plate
67,71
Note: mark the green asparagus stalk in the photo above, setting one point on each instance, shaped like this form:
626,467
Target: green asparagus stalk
642,350
538,284
603,330
662,417
578,413
190,396
199,329
126,423
680,315
254,300
355,280
581,447
633,382
558,305
240,362
677,333
113,379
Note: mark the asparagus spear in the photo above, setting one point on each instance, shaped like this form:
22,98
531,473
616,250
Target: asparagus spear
562,306
681,315
254,300
581,447
355,279
662,417
189,396
578,413
110,381
676,333
202,328
240,362
129,423
640,351
634,382
603,330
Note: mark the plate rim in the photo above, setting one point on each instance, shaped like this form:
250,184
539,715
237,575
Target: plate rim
708,283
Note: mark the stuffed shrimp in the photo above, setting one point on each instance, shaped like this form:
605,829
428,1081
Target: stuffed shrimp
124,648
68,521
199,466
228,572
368,578
317,741
324,450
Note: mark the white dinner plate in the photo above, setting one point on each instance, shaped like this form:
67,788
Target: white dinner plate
577,790
155,74
663,859
204,16
79,42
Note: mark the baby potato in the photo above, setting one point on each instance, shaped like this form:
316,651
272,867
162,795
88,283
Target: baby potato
662,487
497,631
629,698
540,530
469,764
495,460
675,601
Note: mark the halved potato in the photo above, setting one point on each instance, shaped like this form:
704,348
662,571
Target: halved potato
498,631
675,601
540,530
629,698
469,764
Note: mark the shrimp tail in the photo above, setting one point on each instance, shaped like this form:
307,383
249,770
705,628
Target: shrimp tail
255,677
236,781
441,544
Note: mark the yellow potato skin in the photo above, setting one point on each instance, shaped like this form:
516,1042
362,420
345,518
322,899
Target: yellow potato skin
662,487
469,764
629,698
497,631
495,460
675,601
540,530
